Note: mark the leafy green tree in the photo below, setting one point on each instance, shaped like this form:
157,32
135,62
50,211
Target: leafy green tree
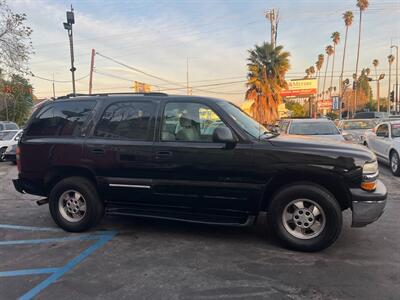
15,42
17,99
297,109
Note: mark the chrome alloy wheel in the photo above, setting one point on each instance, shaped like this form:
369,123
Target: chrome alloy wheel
394,162
72,206
303,219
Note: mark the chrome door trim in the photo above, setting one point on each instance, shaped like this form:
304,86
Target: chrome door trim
130,186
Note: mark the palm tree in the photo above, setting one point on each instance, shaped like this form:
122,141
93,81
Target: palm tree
348,20
335,39
390,60
375,63
312,70
362,5
307,71
318,64
329,52
266,78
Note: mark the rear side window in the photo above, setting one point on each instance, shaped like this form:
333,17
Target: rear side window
61,119
127,120
1,127
11,126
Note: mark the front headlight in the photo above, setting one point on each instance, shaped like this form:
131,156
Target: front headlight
370,175
370,168
348,137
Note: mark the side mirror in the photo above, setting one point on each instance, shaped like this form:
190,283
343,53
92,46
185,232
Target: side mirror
224,135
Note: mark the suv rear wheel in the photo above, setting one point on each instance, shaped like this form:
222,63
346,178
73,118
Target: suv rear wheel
305,217
75,205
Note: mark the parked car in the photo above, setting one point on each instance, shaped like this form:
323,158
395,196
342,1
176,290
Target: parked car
11,154
7,125
371,115
146,155
321,128
354,130
8,138
384,141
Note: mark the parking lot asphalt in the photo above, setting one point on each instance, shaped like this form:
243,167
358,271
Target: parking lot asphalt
133,258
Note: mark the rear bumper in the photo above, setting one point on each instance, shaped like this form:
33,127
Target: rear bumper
367,207
10,157
26,187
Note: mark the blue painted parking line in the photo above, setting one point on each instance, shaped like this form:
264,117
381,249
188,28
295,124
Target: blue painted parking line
28,272
50,240
31,228
101,239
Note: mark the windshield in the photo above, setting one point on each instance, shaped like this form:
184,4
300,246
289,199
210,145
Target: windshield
313,128
352,125
395,130
248,124
7,135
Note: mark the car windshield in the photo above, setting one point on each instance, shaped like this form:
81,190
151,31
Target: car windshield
396,130
248,124
313,128
352,125
7,135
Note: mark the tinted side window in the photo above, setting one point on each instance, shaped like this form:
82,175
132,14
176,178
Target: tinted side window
383,130
61,119
11,126
1,127
126,120
189,122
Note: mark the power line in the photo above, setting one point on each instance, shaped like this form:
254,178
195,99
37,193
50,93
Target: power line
58,81
139,71
170,88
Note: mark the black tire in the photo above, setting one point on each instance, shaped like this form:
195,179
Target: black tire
14,162
327,202
2,150
94,206
395,155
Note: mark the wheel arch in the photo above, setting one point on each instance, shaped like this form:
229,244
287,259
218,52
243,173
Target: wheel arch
330,182
55,174
391,151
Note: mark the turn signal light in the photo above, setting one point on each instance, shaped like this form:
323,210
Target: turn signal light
368,185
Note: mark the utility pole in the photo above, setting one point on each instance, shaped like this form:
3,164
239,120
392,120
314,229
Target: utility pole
187,75
54,89
273,16
388,98
68,27
91,71
397,78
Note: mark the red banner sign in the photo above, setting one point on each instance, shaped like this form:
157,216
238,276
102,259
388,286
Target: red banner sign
325,104
298,93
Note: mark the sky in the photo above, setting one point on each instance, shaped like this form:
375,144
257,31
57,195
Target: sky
162,38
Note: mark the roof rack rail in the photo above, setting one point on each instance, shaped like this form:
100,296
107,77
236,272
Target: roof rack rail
111,94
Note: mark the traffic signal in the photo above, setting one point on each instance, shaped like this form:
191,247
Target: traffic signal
354,85
392,96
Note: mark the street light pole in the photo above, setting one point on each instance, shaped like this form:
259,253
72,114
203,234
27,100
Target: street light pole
68,27
397,78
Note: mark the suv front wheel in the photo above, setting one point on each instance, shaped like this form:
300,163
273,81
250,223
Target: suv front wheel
75,205
305,217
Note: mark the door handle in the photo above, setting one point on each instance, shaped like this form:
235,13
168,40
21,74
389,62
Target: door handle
98,151
163,155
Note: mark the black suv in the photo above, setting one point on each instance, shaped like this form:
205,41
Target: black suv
192,159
